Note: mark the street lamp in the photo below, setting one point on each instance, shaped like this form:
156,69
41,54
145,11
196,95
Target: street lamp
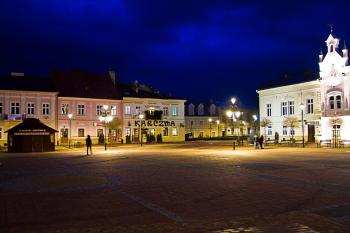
106,119
70,128
233,100
218,123
210,120
302,107
141,116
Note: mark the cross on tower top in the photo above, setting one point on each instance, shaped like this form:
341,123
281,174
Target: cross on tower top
331,27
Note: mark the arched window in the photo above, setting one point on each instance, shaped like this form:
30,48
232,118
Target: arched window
338,101
332,49
331,102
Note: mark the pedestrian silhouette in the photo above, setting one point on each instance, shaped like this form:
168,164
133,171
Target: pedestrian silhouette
261,141
88,145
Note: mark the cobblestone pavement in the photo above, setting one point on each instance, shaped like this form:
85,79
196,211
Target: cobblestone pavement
191,187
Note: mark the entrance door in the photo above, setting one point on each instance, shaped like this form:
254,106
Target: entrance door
335,135
310,133
136,135
64,136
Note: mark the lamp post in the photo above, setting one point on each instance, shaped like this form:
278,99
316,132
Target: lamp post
210,120
106,119
230,115
141,116
302,107
70,128
218,123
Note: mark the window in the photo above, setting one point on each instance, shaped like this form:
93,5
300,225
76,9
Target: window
200,110
269,130
1,108
30,109
284,109
292,132
310,106
200,122
332,48
331,102
81,132
268,109
127,131
0,133
192,123
285,131
46,109
81,109
64,109
127,110
338,100
99,110
165,131
201,134
165,111
113,110
191,109
291,107
99,132
15,108
138,110
174,111
174,131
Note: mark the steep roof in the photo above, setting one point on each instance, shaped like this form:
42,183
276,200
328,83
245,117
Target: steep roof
27,83
31,124
85,85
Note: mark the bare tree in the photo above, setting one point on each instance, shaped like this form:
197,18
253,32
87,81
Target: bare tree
114,124
265,122
291,122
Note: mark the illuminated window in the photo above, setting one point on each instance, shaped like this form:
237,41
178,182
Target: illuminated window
30,109
174,111
174,131
285,131
64,109
127,110
1,108
15,108
269,130
127,131
46,109
113,110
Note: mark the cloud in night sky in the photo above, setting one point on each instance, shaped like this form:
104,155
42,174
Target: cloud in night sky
199,50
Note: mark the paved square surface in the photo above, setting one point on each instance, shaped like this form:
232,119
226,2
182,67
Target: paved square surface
191,187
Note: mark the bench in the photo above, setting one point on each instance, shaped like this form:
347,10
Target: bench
327,143
343,143
269,142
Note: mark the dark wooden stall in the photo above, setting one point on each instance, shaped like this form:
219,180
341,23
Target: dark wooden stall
31,136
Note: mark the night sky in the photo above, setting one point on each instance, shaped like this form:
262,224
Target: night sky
198,50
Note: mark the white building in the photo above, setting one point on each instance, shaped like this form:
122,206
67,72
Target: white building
327,109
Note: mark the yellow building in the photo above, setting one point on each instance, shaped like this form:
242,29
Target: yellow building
159,118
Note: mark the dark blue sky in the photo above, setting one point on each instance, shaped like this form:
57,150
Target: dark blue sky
199,50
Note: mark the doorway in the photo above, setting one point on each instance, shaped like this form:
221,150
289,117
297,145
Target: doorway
335,135
310,133
64,135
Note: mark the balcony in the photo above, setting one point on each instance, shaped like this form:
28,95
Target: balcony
13,117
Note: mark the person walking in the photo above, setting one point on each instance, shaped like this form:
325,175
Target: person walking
261,141
88,145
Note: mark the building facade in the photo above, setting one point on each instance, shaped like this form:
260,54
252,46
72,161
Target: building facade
323,104
75,103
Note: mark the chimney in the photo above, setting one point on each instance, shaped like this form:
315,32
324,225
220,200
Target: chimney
112,75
